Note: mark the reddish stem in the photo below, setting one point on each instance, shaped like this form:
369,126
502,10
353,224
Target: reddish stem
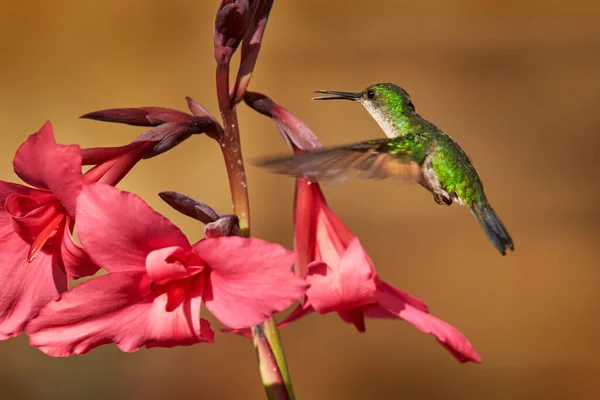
232,151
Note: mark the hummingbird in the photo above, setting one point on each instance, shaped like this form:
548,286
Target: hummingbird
414,151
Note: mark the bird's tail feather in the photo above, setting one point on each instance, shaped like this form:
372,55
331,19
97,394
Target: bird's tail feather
493,227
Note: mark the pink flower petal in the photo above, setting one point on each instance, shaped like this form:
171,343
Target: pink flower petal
99,155
76,261
335,226
118,229
446,334
354,316
353,285
169,264
249,280
124,311
46,165
24,287
301,311
30,214
8,188
305,220
407,298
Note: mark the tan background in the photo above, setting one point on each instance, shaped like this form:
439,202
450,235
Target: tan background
517,83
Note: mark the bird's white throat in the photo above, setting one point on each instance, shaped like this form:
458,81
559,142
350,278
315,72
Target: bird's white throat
383,119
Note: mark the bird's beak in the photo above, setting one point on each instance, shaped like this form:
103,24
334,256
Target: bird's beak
338,95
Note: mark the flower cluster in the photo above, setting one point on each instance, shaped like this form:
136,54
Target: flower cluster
155,280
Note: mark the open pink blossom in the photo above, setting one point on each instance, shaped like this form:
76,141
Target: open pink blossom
343,279
37,252
157,281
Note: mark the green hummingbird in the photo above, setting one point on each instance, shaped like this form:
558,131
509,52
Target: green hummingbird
415,150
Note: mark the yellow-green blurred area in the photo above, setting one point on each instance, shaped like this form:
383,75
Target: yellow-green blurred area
516,83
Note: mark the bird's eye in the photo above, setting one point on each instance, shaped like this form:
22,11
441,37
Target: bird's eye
370,94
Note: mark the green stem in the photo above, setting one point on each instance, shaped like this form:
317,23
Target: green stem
271,359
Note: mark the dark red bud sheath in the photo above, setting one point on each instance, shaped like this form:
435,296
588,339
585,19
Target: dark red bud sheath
190,207
216,132
217,225
129,116
251,46
230,26
142,116
170,134
227,225
294,131
158,116
196,108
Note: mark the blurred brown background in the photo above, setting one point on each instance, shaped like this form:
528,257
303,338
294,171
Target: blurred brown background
516,83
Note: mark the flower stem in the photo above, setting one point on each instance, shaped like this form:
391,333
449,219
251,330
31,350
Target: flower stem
271,359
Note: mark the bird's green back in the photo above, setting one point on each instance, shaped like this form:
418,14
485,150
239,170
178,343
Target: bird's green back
421,139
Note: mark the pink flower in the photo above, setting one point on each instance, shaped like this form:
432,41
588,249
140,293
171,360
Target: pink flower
343,279
37,253
157,282
341,275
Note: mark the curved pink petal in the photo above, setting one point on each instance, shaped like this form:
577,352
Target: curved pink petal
249,280
25,287
335,226
46,165
394,292
351,286
119,230
8,188
354,316
446,334
168,264
300,311
29,215
99,155
117,308
305,222
76,261
295,130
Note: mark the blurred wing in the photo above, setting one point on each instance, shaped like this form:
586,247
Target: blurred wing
370,159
